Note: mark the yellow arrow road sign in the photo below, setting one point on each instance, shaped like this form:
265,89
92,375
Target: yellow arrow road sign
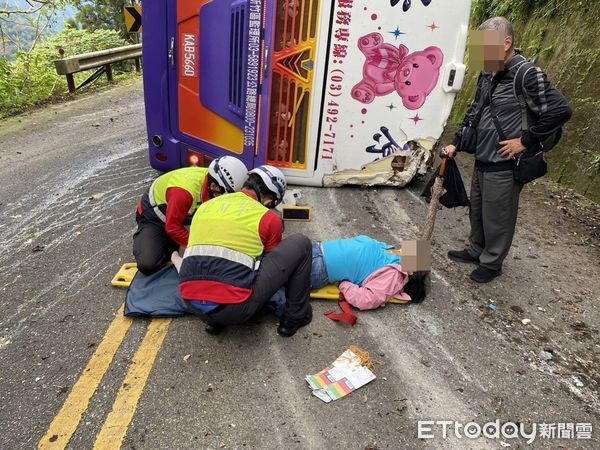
133,19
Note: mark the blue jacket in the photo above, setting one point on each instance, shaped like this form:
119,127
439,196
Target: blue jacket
356,258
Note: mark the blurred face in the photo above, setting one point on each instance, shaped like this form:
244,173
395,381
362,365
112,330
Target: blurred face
268,201
215,190
416,256
488,50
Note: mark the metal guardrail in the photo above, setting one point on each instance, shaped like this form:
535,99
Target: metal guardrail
101,59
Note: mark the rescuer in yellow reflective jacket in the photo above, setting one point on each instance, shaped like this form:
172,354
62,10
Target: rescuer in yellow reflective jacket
236,260
171,200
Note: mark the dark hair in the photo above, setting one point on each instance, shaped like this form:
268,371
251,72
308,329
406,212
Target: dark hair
211,179
417,286
256,183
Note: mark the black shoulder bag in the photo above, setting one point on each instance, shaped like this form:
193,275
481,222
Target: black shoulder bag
529,165
467,141
519,91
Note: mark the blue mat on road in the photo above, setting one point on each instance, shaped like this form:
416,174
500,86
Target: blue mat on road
155,295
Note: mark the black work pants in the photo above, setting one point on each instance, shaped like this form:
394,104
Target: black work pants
288,265
152,247
493,215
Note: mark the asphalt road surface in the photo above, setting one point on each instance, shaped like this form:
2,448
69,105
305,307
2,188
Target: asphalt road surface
70,176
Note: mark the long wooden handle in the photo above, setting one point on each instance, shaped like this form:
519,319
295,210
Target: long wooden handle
434,204
443,168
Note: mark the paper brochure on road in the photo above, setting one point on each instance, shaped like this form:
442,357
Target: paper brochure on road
345,375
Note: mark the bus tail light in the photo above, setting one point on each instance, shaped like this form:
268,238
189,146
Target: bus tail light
197,159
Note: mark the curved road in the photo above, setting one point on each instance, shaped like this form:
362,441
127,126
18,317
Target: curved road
70,176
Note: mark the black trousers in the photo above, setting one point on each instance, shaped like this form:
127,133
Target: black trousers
288,265
493,215
152,247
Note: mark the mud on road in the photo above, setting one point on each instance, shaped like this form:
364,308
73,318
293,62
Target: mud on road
70,176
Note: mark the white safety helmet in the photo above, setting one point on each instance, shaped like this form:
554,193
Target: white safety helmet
274,179
229,172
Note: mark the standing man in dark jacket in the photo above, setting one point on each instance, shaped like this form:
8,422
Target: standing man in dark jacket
494,191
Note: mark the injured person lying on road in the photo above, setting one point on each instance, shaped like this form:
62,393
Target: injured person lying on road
372,272
369,272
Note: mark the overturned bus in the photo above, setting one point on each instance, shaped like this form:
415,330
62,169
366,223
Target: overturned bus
331,91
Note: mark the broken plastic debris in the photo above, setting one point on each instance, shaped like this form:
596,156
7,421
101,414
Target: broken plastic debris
186,357
577,381
97,196
345,375
293,198
385,171
525,321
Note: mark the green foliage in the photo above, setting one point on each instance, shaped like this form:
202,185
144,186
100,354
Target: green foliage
563,37
31,78
515,9
595,164
16,35
24,22
74,42
99,14
72,23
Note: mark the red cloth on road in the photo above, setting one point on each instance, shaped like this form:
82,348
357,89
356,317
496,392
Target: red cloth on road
347,316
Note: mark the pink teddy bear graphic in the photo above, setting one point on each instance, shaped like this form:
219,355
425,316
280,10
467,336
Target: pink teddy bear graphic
387,68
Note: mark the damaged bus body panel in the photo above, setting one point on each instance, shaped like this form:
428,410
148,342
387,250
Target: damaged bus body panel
331,91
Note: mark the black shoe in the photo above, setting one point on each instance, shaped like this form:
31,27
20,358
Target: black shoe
214,329
484,275
288,327
462,256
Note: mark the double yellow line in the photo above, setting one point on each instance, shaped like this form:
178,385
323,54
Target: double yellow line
115,427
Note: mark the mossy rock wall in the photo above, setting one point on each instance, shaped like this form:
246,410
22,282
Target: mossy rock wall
563,38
